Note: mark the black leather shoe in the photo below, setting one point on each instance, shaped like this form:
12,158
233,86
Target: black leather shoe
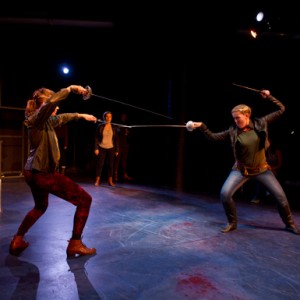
293,229
229,227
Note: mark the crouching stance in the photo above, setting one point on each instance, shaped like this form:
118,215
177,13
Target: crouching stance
249,140
40,168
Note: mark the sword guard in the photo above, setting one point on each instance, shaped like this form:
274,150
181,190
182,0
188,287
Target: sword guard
190,125
88,94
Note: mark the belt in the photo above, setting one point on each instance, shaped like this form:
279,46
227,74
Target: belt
248,171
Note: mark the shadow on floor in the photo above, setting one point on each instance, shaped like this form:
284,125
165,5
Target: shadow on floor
152,243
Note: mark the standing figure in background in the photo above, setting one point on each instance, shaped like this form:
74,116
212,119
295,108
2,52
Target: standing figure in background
106,145
41,165
62,134
120,164
274,160
249,141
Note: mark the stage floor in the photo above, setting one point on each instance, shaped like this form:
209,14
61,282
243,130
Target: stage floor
152,243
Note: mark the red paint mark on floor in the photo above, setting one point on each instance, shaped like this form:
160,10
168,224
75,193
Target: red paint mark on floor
195,285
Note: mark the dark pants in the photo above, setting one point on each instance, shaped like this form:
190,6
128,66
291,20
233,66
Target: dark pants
110,153
121,161
43,184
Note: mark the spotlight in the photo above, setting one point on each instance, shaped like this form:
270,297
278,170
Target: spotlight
253,33
261,26
65,70
260,16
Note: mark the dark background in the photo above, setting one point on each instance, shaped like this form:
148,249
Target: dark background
175,61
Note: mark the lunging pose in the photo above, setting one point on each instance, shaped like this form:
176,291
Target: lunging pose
249,140
40,168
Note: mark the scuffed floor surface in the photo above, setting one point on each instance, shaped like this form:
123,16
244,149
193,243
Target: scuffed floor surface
152,243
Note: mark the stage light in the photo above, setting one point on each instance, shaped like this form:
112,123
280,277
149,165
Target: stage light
261,25
253,33
260,16
65,70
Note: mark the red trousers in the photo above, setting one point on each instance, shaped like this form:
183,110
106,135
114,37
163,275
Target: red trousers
43,184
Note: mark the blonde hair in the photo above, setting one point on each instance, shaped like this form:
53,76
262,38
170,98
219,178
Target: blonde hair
243,109
41,95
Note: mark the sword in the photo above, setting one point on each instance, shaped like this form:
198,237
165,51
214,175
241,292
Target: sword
246,87
90,93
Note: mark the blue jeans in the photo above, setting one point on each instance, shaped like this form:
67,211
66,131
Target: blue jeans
235,180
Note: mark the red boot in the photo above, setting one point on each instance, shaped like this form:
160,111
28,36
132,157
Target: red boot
17,245
76,247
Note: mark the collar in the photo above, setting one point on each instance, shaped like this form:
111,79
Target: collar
250,126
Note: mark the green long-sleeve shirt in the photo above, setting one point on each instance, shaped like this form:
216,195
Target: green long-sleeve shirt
44,152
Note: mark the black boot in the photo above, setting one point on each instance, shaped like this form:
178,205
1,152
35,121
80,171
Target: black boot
287,218
230,211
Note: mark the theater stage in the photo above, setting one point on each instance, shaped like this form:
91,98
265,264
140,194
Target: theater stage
152,243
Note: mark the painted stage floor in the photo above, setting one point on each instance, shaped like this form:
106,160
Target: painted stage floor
152,243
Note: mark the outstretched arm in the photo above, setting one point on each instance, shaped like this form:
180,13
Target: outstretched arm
87,117
50,104
213,136
78,89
